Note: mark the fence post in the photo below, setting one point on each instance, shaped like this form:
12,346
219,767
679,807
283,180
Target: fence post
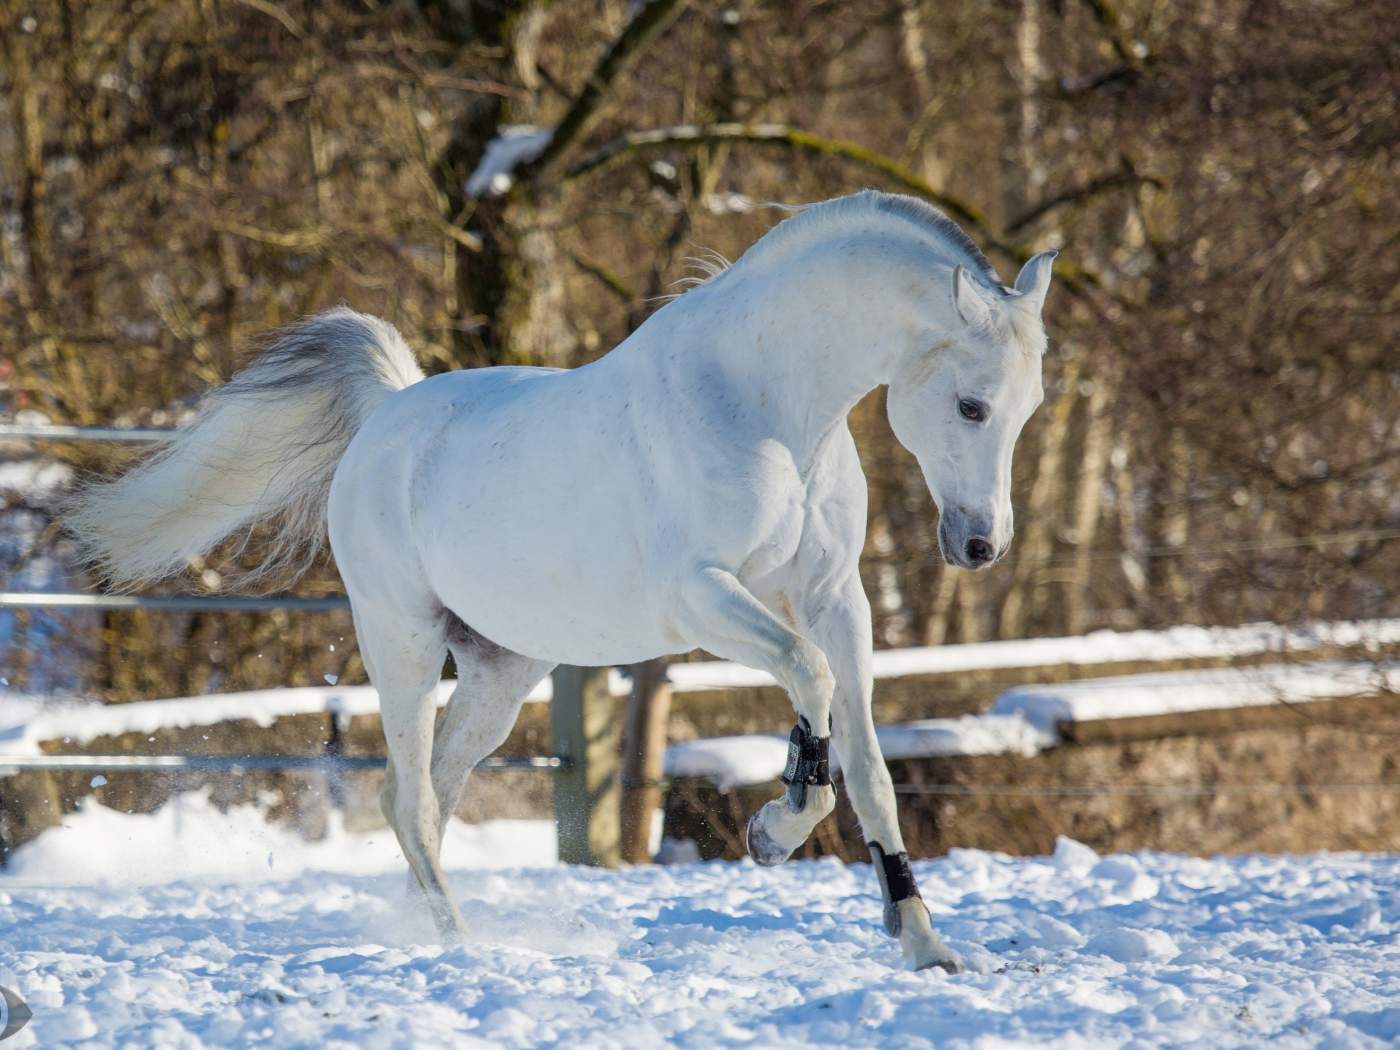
586,804
643,755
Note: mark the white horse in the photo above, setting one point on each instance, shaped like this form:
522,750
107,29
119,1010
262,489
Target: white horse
698,487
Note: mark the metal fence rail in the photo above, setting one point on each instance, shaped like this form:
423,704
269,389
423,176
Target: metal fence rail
241,763
68,432
174,602
1137,790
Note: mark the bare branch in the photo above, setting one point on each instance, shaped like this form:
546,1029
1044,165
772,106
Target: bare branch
622,289
588,107
1125,177
782,134
312,238
1110,21
440,80
466,239
1075,277
271,9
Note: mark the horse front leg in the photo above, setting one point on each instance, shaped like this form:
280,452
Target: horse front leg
724,618
843,630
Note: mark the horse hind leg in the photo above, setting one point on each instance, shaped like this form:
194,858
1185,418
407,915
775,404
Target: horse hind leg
405,670
492,683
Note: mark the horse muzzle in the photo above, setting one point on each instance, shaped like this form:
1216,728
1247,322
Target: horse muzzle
967,543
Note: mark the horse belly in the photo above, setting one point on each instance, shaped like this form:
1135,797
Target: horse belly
554,604
550,567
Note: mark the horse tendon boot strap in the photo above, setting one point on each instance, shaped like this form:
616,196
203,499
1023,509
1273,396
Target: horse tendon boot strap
896,883
808,764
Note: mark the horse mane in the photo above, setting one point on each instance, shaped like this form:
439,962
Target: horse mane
853,213
924,214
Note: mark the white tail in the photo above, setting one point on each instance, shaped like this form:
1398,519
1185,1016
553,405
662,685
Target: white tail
262,450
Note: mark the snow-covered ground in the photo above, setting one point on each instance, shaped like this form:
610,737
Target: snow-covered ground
191,928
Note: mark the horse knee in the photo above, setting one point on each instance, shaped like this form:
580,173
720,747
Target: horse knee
814,684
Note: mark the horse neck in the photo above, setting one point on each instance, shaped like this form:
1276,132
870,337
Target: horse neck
799,347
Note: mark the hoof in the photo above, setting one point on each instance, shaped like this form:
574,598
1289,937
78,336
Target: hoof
919,943
950,965
763,848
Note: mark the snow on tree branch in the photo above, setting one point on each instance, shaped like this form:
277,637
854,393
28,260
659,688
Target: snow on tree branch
515,145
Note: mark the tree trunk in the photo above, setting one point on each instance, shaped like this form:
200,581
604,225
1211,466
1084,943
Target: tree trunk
969,607
1036,543
34,192
1089,503
1129,538
937,631
531,327
1176,523
1023,183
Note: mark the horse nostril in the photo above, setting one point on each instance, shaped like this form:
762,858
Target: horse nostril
979,551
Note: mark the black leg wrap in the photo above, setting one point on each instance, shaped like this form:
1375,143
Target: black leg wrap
808,764
896,883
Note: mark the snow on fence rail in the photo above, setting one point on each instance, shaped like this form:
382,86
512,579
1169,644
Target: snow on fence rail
1099,647
1023,720
27,720
1178,692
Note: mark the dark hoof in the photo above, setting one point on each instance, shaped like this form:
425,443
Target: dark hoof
949,966
762,847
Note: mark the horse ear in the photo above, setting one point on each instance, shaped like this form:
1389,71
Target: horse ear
969,305
1034,279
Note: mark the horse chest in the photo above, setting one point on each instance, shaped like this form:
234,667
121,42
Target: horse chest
767,530
776,545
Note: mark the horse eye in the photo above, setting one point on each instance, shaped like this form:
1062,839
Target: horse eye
972,410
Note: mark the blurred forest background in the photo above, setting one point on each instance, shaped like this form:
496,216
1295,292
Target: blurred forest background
1220,436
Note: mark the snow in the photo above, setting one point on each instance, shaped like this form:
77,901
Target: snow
515,145
1025,720
730,761
1173,692
189,839
34,480
26,720
110,947
740,761
1098,647
990,734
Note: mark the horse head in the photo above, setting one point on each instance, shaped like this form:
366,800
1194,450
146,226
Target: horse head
959,396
